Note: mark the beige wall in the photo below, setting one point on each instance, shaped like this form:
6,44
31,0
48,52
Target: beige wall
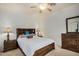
18,16
55,22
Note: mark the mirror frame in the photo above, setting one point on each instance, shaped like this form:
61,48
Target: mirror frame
67,22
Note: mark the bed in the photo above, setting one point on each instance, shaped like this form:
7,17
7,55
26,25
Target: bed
34,46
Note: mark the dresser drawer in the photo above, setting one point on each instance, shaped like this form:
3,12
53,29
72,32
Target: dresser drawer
70,42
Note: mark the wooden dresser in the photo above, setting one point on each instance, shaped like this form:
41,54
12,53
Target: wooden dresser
70,41
10,45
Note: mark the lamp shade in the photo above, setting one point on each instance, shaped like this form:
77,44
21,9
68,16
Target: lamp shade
7,29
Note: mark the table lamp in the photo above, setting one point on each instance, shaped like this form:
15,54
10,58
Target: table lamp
39,33
7,30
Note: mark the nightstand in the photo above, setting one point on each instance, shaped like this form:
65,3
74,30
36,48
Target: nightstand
10,45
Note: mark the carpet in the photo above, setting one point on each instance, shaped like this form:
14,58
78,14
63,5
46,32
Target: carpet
57,52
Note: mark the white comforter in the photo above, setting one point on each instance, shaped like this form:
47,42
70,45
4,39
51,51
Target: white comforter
29,46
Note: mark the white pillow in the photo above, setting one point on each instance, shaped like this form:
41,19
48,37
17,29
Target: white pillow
36,37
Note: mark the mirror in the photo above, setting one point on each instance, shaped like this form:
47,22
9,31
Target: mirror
72,24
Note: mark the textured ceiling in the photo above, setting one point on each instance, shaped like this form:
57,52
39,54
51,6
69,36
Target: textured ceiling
25,7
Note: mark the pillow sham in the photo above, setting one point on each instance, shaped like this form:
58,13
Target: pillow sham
36,37
27,36
26,33
30,35
22,36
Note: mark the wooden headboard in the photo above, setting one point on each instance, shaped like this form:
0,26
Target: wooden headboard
20,31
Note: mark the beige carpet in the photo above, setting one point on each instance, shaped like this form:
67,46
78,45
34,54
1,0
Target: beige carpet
57,52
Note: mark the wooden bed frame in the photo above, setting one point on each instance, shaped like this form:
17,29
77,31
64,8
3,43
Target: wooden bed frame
41,52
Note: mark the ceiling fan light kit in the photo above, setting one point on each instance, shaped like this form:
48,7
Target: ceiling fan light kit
44,6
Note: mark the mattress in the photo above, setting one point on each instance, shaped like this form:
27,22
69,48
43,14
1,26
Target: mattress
29,46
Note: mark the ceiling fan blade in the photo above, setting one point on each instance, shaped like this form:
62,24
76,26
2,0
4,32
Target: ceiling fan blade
33,6
49,9
51,4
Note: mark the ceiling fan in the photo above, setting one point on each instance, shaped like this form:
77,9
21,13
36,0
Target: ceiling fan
44,6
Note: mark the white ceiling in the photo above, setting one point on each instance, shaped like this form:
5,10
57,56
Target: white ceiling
25,7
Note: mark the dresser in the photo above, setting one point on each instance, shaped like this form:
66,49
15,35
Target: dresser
70,41
9,45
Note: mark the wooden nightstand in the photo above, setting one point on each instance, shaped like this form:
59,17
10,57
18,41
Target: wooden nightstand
10,45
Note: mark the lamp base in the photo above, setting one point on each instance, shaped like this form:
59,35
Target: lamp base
7,36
